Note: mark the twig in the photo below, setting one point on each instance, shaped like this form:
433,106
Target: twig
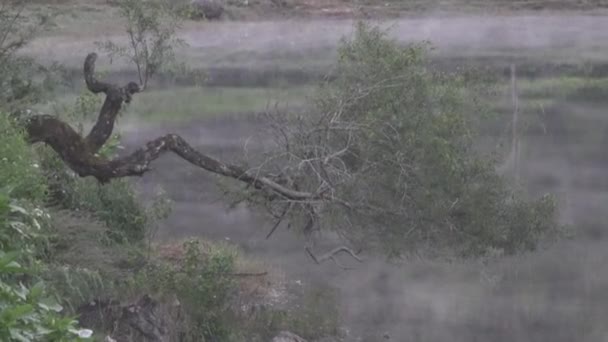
279,220
331,255
248,274
515,137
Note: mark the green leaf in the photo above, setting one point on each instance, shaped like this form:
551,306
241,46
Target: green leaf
17,209
41,331
19,335
36,291
11,267
22,292
50,305
16,312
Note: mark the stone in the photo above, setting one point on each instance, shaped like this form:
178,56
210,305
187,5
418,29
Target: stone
206,9
286,336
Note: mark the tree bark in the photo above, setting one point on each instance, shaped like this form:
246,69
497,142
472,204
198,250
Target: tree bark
80,154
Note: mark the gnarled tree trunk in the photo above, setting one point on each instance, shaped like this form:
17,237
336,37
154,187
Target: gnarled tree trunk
81,153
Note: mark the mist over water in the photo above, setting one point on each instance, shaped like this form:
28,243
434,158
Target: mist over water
555,294
263,44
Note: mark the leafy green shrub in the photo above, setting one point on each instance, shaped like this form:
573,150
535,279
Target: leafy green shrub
27,314
151,28
390,146
77,286
19,170
27,311
202,283
115,204
23,82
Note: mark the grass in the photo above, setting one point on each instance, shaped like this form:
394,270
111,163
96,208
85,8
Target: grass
200,102
574,88
536,94
191,103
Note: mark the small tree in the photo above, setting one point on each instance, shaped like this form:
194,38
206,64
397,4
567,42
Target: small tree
150,26
388,149
17,87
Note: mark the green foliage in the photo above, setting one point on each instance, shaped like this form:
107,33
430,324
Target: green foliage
21,228
151,27
392,145
116,204
22,81
423,126
202,283
77,286
19,170
27,311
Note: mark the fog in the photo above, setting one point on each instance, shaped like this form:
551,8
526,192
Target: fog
556,294
267,43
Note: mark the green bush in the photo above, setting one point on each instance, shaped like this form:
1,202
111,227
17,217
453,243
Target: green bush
202,283
116,204
19,169
27,311
391,144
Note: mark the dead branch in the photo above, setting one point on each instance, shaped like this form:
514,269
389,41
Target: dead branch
80,154
331,255
279,220
248,274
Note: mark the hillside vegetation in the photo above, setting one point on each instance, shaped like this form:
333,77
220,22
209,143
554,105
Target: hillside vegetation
388,152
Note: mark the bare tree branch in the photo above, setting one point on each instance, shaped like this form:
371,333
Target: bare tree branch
279,220
80,154
331,255
115,96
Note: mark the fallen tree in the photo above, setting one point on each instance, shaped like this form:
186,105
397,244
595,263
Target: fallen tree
385,157
80,153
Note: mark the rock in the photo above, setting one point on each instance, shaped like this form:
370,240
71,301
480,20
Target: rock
206,9
286,336
140,318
